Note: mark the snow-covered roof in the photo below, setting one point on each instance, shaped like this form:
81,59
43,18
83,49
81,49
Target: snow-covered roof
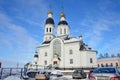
44,45
110,58
71,40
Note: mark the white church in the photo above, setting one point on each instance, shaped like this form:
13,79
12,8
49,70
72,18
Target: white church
62,50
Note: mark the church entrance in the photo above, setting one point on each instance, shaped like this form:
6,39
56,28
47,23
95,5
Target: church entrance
55,62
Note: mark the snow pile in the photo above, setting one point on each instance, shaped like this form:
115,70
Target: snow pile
12,78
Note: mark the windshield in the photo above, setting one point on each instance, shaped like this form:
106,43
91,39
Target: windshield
78,71
105,70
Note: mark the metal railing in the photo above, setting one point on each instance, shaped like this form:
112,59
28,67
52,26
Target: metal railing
5,72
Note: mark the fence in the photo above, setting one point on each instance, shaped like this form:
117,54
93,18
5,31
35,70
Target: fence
5,72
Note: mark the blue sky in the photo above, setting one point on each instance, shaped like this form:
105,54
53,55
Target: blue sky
22,25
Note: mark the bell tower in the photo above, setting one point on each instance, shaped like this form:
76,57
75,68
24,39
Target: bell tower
63,27
49,27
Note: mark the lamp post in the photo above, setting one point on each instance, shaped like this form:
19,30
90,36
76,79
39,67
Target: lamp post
36,59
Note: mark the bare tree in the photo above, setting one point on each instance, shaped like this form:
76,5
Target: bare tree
106,55
118,54
112,55
101,56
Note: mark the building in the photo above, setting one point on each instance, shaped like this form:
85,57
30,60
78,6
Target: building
0,64
112,61
62,50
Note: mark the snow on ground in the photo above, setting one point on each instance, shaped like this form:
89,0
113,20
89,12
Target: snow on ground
12,78
67,77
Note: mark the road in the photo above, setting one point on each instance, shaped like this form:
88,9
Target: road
70,78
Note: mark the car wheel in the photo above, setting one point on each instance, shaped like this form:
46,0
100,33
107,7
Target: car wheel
73,77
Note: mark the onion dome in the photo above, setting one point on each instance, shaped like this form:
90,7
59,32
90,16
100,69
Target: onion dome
50,12
80,37
36,54
62,19
49,20
62,15
63,23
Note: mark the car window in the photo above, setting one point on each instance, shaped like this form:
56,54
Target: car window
78,71
105,70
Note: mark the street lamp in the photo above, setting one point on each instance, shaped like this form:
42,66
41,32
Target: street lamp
36,59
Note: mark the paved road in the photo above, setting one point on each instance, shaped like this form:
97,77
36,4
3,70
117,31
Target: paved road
70,78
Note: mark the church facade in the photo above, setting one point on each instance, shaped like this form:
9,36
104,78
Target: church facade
62,50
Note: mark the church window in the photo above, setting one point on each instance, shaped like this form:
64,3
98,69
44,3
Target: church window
111,64
60,31
57,48
45,62
50,29
71,61
106,65
102,65
70,52
91,60
45,53
49,37
47,30
65,31
98,65
116,64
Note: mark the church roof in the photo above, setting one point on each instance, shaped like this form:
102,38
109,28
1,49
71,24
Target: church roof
63,22
49,21
36,55
46,42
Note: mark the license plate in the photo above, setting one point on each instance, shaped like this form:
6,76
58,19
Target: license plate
102,78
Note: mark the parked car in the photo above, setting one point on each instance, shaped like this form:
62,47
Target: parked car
55,75
39,74
79,74
90,72
105,73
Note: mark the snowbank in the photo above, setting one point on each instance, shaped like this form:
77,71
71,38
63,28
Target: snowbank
12,78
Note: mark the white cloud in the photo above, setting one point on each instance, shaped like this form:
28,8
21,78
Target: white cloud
6,63
16,42
98,27
16,39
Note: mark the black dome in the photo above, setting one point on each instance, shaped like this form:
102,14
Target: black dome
49,21
36,55
63,22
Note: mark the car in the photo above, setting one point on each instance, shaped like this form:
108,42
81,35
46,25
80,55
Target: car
90,72
105,73
55,75
39,74
79,74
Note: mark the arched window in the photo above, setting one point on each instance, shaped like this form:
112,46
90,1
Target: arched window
45,53
106,65
49,37
70,51
98,65
91,60
50,29
71,61
47,30
60,31
57,47
64,30
45,62
111,64
116,64
102,65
